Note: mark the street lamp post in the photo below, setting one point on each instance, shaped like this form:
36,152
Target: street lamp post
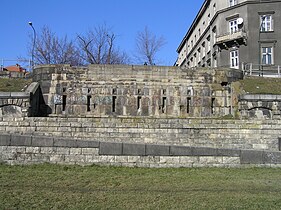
33,46
262,21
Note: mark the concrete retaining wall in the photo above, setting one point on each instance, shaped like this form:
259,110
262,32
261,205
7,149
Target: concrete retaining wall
25,149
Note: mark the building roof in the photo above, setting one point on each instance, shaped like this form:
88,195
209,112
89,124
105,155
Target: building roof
15,68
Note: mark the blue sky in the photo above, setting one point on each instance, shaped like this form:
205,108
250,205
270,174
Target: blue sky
167,18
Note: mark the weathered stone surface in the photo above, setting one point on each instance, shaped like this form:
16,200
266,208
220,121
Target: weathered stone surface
134,149
180,151
22,140
203,151
42,141
65,143
5,140
157,150
110,148
228,152
272,157
251,157
88,144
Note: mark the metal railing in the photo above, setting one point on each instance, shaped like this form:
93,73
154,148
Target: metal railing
261,70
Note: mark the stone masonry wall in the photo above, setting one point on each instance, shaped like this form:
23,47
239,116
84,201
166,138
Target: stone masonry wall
215,133
260,106
15,149
119,90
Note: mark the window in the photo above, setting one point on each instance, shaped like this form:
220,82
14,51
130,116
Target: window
267,55
266,22
233,26
195,60
232,2
199,55
199,32
215,34
191,62
234,59
209,44
215,62
203,49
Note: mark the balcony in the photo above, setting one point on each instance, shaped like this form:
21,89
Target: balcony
231,39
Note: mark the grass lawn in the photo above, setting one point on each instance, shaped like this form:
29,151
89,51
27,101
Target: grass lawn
13,85
260,85
74,187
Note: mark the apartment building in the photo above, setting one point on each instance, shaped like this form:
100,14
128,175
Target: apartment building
232,33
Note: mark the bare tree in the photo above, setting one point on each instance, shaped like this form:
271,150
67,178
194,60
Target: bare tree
98,47
147,46
50,49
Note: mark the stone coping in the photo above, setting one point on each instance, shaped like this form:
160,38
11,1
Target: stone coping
260,97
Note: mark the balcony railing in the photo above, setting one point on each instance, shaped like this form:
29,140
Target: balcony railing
239,35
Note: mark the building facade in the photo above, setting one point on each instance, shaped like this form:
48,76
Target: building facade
233,33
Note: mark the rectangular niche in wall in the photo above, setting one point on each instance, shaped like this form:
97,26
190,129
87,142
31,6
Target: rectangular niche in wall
114,104
164,104
89,103
188,104
63,102
213,105
114,98
139,103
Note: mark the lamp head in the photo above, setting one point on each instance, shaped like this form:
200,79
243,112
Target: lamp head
30,23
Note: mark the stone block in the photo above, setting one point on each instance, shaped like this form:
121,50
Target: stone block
106,159
107,148
5,95
169,160
210,160
134,149
134,159
121,159
229,152
88,144
32,150
272,157
90,151
22,140
5,140
42,141
75,151
251,157
65,143
20,95
180,151
75,159
188,160
157,150
57,158
203,151
62,151
231,160
48,150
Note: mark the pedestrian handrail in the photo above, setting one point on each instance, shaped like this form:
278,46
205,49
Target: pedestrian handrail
251,69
